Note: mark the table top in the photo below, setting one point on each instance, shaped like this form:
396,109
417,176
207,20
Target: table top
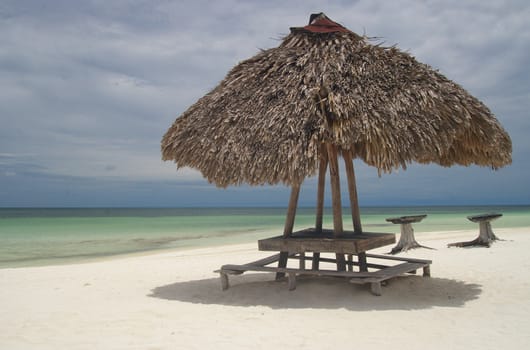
484,217
406,219
309,240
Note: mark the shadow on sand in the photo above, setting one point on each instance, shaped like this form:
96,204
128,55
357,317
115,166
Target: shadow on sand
404,293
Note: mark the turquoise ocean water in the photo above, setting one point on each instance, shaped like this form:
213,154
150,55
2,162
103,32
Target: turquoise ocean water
35,237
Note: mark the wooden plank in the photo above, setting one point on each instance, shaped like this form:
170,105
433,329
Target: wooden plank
355,263
329,233
340,245
310,245
388,257
351,263
363,245
376,266
398,270
352,190
357,277
231,272
388,273
297,271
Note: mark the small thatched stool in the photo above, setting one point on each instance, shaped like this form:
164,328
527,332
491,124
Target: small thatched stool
486,235
407,240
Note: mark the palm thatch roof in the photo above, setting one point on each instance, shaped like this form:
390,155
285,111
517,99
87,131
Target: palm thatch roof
267,119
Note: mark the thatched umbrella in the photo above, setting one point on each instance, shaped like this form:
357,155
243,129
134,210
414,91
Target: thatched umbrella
284,114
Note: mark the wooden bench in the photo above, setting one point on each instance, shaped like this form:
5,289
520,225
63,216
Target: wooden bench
383,272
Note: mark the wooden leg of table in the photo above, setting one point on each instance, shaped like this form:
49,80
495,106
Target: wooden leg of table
282,263
224,281
316,261
427,271
363,266
302,261
376,288
292,280
341,262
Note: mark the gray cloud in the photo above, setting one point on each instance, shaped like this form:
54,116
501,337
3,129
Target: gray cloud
87,89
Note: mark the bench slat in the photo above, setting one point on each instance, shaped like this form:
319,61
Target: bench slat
411,260
385,273
231,269
398,270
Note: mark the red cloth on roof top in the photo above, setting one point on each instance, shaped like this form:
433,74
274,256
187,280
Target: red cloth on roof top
325,25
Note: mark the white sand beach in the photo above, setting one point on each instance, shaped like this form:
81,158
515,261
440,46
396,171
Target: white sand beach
477,298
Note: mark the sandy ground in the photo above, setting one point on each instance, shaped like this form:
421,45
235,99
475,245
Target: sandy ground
477,298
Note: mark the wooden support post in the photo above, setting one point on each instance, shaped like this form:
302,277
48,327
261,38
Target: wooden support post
363,265
289,224
320,199
291,211
335,189
316,261
301,264
321,188
282,262
352,189
336,200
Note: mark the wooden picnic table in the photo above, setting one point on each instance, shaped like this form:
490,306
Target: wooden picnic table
354,245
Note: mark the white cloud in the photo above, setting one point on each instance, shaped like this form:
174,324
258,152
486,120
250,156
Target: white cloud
89,88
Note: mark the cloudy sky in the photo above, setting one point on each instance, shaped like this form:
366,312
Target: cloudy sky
88,88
